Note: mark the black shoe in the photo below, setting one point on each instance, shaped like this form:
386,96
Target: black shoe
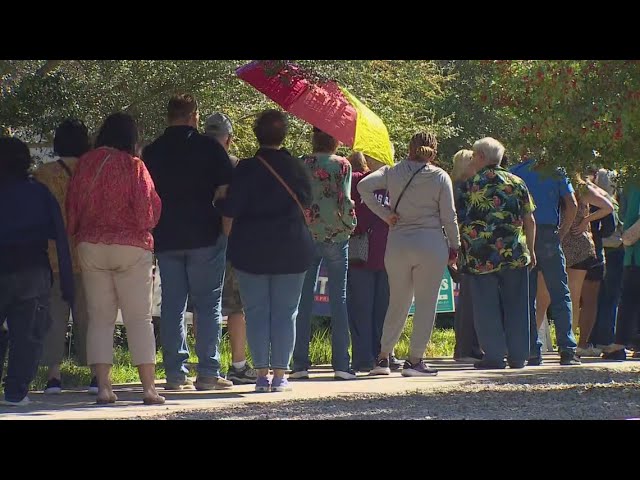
486,365
419,369
534,361
469,359
569,358
617,355
516,365
242,376
395,363
53,387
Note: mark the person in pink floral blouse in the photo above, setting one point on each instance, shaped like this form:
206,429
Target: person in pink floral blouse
112,206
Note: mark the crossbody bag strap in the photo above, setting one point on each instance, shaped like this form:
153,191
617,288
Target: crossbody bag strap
395,209
284,184
65,167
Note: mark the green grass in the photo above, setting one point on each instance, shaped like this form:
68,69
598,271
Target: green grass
441,345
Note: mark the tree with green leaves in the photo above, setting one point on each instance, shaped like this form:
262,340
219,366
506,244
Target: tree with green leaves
569,113
37,95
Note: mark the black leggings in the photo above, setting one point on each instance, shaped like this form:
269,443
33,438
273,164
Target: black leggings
629,309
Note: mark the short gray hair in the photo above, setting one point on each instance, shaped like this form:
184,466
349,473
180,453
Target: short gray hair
218,125
492,149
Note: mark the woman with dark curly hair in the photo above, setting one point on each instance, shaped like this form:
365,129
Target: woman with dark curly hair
29,217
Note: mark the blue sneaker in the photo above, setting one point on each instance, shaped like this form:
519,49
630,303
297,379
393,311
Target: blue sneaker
262,384
280,384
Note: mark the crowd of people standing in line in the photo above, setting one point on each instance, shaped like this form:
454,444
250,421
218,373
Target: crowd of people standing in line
246,239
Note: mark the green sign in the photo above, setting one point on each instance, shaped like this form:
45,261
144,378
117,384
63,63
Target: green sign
445,297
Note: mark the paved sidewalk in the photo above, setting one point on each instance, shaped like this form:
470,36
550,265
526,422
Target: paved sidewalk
79,405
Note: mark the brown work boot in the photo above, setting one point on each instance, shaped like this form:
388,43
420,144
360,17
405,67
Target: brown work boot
186,385
212,383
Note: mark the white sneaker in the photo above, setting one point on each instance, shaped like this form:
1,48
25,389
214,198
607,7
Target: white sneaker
590,351
348,375
93,387
53,387
381,368
22,403
299,375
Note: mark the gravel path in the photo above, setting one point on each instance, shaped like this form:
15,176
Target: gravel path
565,394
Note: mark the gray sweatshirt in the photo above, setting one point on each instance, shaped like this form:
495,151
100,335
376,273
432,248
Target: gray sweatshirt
426,204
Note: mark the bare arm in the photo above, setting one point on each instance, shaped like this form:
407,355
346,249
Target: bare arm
227,223
569,211
601,202
221,192
604,207
529,224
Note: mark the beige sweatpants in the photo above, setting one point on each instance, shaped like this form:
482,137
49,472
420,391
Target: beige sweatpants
118,276
415,263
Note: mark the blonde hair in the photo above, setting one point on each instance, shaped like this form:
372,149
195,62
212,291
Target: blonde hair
358,162
492,149
461,161
373,164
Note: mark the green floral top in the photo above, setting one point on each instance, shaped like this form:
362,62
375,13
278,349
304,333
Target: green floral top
632,253
491,207
333,214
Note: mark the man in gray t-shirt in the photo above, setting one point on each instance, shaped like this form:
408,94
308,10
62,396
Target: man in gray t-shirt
219,126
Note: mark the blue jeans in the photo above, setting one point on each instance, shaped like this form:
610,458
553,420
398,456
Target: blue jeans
552,264
335,257
198,273
24,303
603,332
493,293
270,308
367,303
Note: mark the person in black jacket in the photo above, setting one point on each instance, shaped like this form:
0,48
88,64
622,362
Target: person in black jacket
29,217
270,246
189,169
